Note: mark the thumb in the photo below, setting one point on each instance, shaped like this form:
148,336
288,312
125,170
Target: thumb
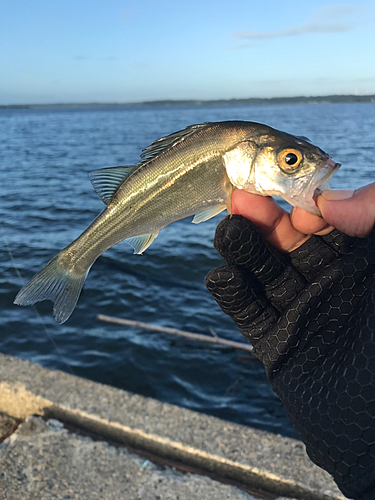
352,212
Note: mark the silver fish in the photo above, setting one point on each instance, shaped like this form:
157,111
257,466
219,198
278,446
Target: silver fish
191,172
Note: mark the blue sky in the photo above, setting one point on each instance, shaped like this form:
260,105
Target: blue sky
129,51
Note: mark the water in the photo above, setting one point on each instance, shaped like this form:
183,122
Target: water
46,202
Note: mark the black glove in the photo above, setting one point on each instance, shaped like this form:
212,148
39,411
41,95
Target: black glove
310,316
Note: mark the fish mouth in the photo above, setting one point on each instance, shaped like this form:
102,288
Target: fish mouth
324,173
305,191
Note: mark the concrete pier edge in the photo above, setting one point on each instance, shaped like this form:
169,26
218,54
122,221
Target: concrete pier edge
238,453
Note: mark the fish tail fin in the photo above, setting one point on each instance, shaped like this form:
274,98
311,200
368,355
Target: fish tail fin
56,283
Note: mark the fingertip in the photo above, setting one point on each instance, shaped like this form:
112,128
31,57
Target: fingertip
337,194
306,222
248,204
354,215
263,211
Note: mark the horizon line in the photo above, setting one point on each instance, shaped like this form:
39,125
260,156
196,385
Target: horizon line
166,102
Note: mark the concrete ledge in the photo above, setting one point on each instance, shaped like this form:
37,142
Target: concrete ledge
238,453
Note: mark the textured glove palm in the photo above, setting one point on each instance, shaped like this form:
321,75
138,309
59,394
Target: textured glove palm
310,317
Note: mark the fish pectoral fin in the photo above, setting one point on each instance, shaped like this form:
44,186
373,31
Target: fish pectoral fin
141,243
208,214
106,181
230,190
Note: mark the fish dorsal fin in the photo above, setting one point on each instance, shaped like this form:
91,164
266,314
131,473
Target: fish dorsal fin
208,214
141,243
106,181
306,139
161,145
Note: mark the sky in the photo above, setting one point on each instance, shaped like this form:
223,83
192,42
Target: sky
70,51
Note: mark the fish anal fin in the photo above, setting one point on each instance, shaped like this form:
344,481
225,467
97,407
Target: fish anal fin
208,214
106,181
141,243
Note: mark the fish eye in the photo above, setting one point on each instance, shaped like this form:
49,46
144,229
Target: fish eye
289,159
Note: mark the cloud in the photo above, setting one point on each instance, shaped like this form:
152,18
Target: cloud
330,19
304,29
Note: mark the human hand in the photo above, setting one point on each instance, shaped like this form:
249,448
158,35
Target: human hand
310,317
352,212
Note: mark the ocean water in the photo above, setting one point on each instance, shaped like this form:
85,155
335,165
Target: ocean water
47,201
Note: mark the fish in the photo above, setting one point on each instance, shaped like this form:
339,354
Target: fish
190,172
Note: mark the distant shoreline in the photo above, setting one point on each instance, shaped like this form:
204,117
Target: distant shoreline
253,101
